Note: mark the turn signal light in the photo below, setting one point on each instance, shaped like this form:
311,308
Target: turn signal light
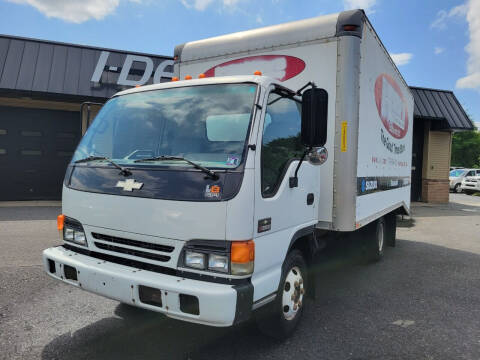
243,251
259,73
60,222
174,78
242,256
188,77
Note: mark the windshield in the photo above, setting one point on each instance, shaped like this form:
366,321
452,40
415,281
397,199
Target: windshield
205,124
457,173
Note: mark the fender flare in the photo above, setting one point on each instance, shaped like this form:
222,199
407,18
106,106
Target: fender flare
315,245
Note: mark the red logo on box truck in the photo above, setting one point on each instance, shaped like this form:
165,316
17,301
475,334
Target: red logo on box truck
280,67
391,106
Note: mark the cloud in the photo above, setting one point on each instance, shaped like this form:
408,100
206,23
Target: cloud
201,5
366,5
230,2
472,79
443,16
75,11
401,58
438,50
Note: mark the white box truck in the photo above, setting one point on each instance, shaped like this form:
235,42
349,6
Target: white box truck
206,199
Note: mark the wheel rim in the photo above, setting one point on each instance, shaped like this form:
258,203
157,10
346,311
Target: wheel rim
457,188
293,291
380,235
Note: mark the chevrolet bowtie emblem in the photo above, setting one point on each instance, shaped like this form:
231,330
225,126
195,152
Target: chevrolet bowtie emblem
129,185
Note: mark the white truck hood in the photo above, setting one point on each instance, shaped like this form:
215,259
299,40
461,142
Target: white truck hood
179,220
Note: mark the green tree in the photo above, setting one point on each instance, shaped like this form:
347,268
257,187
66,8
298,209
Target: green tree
466,149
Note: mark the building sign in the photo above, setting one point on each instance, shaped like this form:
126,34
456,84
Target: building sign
127,70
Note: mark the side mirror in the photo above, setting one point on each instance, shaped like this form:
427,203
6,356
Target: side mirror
314,117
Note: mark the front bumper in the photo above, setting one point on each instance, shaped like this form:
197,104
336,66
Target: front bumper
219,304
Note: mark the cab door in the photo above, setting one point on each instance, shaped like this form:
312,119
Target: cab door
280,211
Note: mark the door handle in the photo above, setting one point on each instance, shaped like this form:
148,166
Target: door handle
310,198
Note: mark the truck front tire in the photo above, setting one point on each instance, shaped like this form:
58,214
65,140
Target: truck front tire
280,318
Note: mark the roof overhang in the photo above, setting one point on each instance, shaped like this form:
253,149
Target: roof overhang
441,108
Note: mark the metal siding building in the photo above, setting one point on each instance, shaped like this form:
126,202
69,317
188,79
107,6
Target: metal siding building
42,87
437,114
44,83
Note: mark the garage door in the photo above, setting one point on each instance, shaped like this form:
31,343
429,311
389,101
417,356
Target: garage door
35,147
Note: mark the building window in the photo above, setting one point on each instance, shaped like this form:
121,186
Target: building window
3,132
281,141
3,151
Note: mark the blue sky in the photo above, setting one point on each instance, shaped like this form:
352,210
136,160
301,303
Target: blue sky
436,43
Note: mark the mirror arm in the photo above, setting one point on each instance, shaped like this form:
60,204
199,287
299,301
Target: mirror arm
310,83
293,181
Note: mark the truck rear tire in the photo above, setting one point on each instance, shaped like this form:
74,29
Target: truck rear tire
376,236
280,318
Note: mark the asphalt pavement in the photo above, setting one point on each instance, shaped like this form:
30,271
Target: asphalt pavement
422,301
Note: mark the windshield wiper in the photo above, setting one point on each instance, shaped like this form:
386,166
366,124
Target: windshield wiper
207,171
123,170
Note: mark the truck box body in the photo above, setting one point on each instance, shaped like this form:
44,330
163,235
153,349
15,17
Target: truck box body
370,110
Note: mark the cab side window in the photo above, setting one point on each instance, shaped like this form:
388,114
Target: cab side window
281,140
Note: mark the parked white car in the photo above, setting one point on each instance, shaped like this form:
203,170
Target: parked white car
471,184
457,175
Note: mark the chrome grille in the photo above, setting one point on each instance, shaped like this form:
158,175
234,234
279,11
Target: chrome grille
133,247
136,243
132,252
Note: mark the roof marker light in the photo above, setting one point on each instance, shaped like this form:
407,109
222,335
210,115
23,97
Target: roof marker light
188,77
350,27
201,76
258,73
174,78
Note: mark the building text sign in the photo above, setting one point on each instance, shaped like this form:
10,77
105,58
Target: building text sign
126,70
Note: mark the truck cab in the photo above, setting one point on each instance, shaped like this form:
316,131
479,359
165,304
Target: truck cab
178,199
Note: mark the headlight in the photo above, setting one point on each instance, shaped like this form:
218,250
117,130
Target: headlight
218,263
71,230
195,260
68,234
79,237
229,257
